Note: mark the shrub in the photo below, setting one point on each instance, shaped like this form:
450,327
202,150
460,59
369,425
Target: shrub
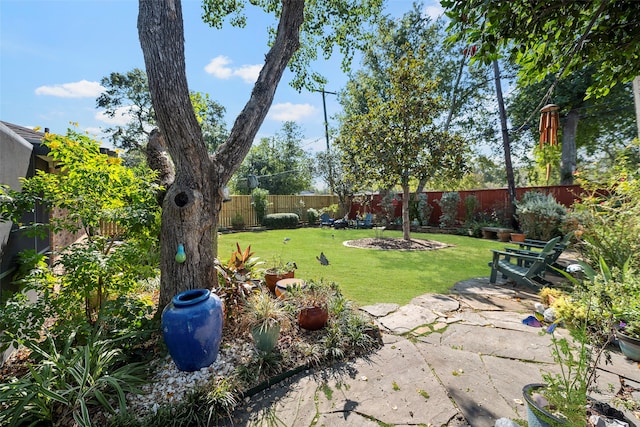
449,206
420,208
608,217
388,206
281,220
237,222
92,274
260,201
312,216
332,210
540,215
69,380
471,206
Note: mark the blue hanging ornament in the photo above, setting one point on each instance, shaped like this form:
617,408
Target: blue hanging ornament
180,255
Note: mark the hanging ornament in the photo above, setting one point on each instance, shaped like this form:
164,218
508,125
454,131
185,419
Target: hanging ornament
180,255
549,121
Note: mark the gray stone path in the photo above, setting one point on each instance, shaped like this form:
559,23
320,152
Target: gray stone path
447,360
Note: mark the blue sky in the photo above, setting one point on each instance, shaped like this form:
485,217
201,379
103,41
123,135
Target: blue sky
55,52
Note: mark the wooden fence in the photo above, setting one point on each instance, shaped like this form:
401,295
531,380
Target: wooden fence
277,204
495,200
490,200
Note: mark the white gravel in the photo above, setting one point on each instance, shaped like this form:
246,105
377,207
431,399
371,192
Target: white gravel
169,385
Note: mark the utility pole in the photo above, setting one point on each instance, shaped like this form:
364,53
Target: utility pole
326,121
326,133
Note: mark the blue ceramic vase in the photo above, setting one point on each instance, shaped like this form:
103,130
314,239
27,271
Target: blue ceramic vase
192,328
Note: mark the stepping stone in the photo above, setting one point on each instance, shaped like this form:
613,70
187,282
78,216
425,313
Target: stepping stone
436,302
406,318
381,309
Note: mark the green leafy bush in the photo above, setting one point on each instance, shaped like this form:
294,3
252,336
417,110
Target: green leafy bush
237,222
388,206
449,205
281,220
607,218
540,215
92,188
312,216
420,208
260,202
68,380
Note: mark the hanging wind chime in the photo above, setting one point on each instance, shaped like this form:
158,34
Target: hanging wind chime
549,120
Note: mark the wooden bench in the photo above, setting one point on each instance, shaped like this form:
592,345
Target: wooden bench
492,232
522,269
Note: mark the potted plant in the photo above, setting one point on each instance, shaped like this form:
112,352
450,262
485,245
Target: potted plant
278,270
313,304
264,316
589,313
628,335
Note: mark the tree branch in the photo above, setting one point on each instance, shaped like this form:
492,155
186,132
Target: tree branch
248,122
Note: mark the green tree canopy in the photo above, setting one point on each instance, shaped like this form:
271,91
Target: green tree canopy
279,163
195,196
392,139
327,24
128,95
554,37
330,167
594,128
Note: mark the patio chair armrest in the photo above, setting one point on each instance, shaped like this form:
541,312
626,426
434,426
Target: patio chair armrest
497,253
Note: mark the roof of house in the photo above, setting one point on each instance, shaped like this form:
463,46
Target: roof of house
28,134
35,138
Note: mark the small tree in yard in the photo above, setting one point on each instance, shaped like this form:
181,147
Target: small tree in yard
193,201
391,139
98,272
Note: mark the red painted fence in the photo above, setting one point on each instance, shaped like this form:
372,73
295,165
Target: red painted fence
490,200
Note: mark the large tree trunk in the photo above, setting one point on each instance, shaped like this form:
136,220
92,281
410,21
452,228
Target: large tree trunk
191,206
569,150
406,222
511,182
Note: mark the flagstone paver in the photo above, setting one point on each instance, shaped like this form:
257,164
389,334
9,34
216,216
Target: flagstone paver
470,372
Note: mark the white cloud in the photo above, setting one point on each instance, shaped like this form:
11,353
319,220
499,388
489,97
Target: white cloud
81,89
433,11
218,67
121,117
248,73
290,112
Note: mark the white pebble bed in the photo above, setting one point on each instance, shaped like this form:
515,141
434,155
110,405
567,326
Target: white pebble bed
169,385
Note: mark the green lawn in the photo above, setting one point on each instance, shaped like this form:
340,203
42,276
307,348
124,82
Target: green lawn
370,276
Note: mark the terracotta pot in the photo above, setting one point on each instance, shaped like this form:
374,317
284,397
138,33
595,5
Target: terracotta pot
282,285
518,237
271,279
313,318
629,346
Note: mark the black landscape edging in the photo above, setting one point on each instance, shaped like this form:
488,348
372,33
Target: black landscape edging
273,380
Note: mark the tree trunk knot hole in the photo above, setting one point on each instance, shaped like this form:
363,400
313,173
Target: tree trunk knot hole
181,199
